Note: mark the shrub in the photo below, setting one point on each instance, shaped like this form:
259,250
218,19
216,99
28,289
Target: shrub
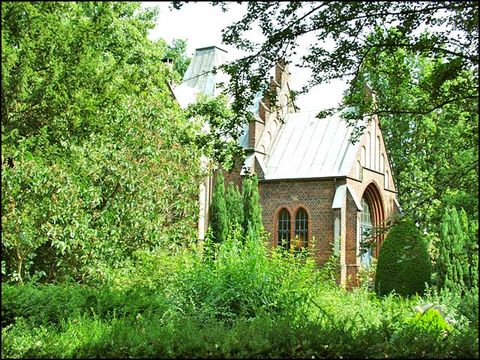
456,265
218,220
52,304
403,262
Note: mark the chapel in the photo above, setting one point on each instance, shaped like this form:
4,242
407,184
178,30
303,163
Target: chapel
318,190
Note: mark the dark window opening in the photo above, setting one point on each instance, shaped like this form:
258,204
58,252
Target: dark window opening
301,229
284,229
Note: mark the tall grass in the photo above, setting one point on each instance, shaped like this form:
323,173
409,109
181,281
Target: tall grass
243,301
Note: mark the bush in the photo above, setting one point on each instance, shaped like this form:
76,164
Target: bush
403,263
52,304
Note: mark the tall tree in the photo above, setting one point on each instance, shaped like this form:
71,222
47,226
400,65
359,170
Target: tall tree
433,152
252,212
218,216
456,265
94,162
234,207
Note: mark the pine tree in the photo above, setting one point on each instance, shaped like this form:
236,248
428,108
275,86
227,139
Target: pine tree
246,196
252,212
218,216
234,207
256,215
454,263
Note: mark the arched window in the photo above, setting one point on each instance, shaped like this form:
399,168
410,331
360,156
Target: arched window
336,236
382,163
301,229
363,156
359,171
284,229
365,232
377,154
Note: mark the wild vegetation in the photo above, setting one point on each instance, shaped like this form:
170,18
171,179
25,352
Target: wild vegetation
246,302
97,159
100,172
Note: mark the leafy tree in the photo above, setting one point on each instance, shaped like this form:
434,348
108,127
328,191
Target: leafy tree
404,265
456,265
420,59
234,207
94,162
177,53
433,152
218,216
339,39
217,138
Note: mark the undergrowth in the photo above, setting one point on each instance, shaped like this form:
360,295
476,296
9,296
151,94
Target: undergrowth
244,301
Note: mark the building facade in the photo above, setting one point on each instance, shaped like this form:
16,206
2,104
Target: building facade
318,190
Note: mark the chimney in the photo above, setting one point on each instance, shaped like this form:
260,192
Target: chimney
168,62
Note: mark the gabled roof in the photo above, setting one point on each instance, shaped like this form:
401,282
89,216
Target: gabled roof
308,147
303,147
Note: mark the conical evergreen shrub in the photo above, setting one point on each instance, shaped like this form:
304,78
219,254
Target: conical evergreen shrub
234,207
218,216
252,211
404,264
456,268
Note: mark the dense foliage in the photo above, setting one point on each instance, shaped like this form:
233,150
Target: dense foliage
234,207
433,150
252,212
218,217
457,261
95,161
246,303
404,265
232,212
100,173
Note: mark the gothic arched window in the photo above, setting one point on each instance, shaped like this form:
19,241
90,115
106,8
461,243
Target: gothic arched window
284,228
366,229
301,228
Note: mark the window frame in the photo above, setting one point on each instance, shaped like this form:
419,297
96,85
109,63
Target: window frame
301,226
292,213
280,229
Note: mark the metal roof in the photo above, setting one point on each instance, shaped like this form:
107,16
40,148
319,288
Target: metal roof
304,146
308,147
200,77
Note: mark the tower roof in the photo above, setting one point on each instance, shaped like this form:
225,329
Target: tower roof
201,76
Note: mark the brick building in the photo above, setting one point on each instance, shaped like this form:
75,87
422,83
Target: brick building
317,189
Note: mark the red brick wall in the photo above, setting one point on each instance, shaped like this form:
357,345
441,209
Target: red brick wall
315,196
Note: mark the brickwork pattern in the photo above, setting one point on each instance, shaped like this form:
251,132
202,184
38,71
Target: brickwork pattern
315,196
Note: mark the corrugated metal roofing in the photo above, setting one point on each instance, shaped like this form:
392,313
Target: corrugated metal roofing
307,147
304,147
